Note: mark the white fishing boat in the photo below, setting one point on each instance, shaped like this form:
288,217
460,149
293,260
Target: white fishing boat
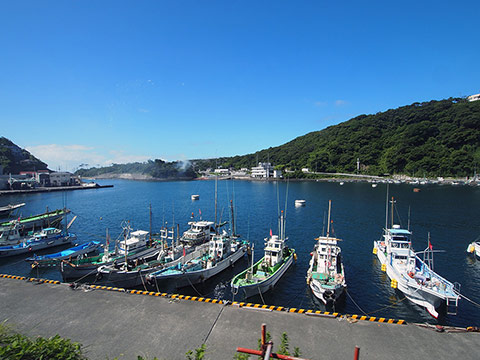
263,275
474,248
195,197
412,275
300,202
223,251
325,275
8,210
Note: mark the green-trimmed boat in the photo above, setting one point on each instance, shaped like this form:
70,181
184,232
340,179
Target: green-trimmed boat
40,221
264,274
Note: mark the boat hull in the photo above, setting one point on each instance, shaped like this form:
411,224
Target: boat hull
182,279
244,292
328,295
30,247
136,278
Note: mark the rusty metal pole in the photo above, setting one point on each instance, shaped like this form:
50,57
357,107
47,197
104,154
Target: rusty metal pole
356,355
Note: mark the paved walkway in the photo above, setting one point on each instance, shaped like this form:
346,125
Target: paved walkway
116,324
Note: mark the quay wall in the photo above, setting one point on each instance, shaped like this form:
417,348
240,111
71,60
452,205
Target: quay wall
112,322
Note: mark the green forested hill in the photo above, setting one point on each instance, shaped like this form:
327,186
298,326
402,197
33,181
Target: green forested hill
435,138
157,169
13,159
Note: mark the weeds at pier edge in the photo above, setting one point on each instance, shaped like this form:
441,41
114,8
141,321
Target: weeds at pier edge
17,346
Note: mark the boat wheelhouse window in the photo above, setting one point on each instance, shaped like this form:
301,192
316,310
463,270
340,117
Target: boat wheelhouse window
401,257
324,249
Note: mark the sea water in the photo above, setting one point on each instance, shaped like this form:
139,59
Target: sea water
448,213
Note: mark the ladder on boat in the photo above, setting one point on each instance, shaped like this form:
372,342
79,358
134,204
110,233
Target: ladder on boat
452,301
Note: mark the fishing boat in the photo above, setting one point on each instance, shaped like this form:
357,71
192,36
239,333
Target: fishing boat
12,236
264,274
199,232
325,275
222,251
474,248
195,197
8,210
300,202
44,239
134,246
47,219
55,258
131,272
412,275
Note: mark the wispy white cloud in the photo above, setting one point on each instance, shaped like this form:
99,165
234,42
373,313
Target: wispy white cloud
320,103
119,157
70,157
341,102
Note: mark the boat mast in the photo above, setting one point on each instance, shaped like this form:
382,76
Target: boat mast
150,233
107,245
392,211
282,226
386,210
328,224
233,218
216,228
125,242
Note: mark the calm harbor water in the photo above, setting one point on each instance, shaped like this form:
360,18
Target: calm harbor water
449,213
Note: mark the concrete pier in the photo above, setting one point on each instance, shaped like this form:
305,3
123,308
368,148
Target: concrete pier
113,323
50,189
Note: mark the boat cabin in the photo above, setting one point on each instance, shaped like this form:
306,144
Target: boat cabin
273,250
220,246
137,239
199,232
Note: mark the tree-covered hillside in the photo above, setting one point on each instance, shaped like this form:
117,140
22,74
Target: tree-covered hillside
13,159
435,138
157,169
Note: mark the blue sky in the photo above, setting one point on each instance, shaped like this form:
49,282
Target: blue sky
98,82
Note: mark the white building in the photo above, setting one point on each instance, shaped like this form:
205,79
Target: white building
60,178
222,171
277,174
263,170
473,97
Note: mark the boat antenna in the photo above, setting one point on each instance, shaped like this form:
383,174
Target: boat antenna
408,224
323,229
393,201
328,224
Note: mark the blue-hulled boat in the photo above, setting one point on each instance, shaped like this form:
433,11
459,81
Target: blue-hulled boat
71,253
46,238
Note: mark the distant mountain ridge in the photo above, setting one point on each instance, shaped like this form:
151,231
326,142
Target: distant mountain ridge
14,159
435,138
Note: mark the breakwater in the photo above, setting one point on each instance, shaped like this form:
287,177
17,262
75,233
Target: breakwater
51,189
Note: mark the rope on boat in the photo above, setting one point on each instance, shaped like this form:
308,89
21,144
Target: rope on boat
261,296
351,298
466,298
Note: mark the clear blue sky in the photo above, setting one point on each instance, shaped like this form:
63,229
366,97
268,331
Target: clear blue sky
115,81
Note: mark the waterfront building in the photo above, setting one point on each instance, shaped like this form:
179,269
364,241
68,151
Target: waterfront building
263,170
60,178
